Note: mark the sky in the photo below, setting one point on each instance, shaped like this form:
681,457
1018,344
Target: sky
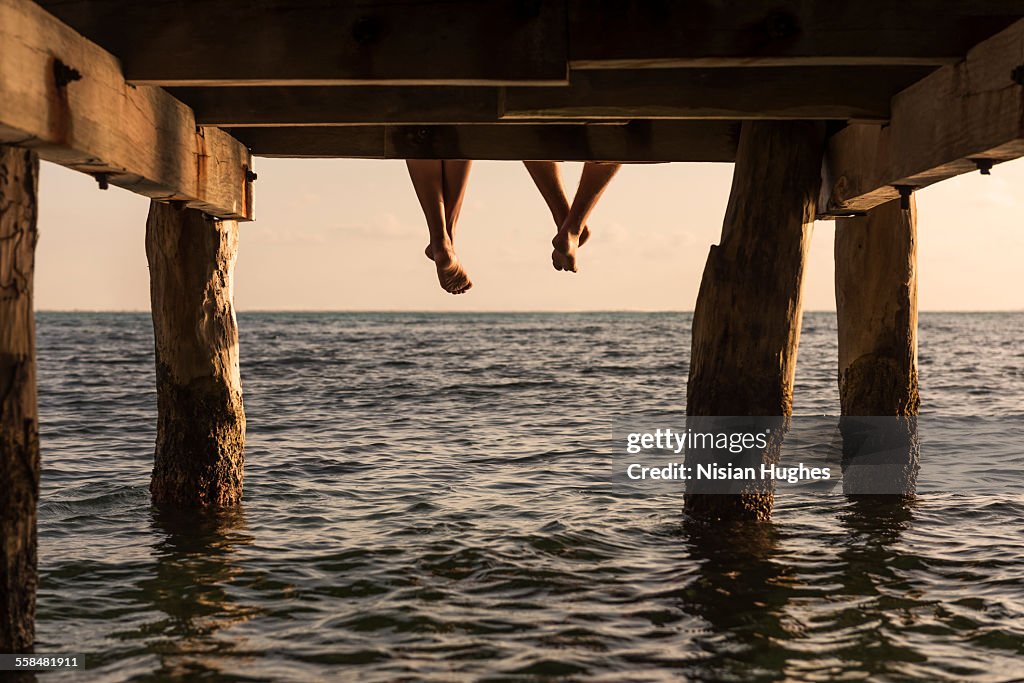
349,235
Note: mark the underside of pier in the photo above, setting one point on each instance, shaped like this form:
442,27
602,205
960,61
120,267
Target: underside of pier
828,110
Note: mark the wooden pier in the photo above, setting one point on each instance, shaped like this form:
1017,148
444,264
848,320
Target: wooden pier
828,109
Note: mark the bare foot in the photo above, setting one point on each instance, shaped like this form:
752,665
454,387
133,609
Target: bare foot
450,273
558,259
565,244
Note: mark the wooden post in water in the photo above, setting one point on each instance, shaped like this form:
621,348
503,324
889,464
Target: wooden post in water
201,428
746,324
876,307
19,420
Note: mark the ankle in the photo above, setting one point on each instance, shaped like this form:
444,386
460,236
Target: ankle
443,252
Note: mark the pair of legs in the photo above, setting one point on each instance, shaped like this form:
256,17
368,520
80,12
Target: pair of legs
570,219
441,185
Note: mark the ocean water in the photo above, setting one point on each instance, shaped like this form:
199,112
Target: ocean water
428,498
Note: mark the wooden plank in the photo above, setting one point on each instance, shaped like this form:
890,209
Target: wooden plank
320,42
325,105
940,125
859,93
144,139
744,93
658,33
634,142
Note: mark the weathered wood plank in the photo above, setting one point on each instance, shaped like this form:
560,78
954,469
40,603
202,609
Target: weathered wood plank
720,93
318,42
962,112
743,93
659,33
144,139
634,142
327,105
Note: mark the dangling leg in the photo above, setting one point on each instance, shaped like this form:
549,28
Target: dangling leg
593,182
454,178
427,178
548,179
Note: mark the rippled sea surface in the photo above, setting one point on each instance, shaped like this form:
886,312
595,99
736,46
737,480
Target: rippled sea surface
428,498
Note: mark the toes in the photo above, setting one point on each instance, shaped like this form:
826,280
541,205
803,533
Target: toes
454,281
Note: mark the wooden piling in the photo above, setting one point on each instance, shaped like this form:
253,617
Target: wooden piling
746,324
876,307
201,425
19,421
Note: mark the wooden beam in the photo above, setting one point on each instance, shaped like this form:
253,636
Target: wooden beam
969,111
320,42
65,98
876,311
19,414
746,324
860,93
634,142
200,437
876,315
656,33
744,93
242,106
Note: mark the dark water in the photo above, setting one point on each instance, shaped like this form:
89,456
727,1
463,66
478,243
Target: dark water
427,497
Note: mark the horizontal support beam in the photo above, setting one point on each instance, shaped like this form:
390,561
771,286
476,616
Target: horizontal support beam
323,42
638,141
514,42
64,97
940,127
845,93
326,105
859,93
653,33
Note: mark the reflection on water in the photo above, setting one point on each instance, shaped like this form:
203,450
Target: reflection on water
741,591
191,587
881,455
428,498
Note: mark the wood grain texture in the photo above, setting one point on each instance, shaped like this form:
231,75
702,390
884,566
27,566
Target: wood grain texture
876,310
201,426
746,323
876,307
319,42
718,93
940,125
712,141
666,33
144,139
19,420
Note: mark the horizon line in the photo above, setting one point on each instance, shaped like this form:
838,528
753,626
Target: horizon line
479,311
